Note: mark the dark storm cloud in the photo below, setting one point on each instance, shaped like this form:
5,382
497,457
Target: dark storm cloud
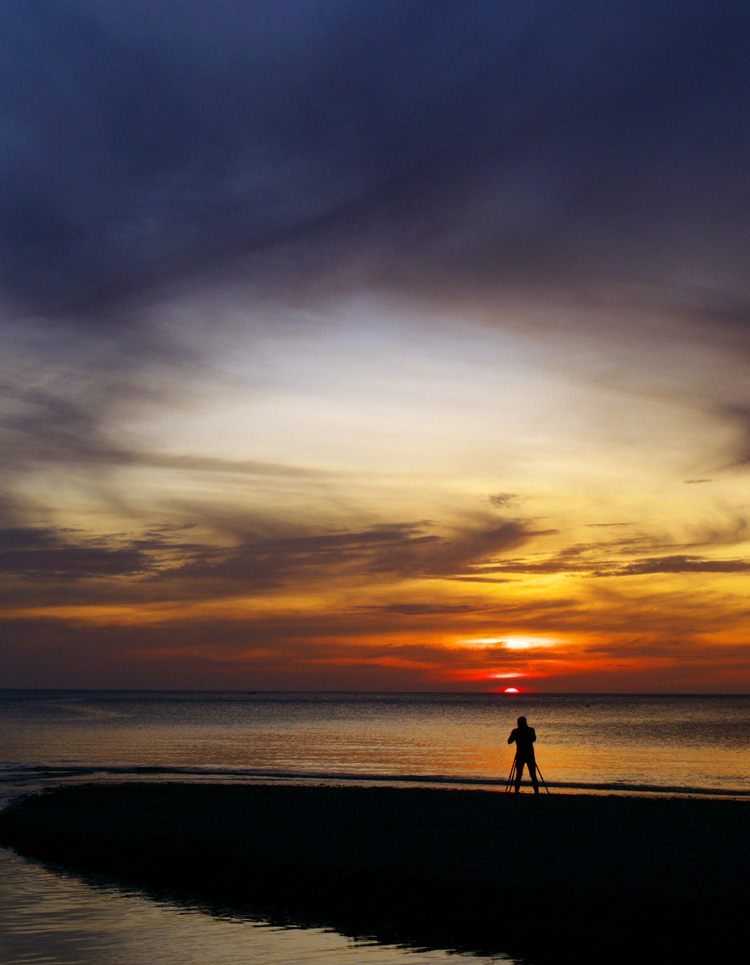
469,141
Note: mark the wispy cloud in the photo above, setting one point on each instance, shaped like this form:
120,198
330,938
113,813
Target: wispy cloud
384,319
681,564
407,550
42,554
120,175
739,416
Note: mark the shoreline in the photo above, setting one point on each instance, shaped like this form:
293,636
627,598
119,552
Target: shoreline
554,879
245,776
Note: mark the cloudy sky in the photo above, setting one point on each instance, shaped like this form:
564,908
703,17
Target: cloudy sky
375,344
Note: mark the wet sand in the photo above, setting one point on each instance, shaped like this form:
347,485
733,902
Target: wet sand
553,879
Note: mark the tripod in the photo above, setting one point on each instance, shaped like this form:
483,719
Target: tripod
514,771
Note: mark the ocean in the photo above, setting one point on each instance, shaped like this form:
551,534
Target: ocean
625,744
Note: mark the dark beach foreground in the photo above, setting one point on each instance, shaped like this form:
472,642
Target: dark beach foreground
553,879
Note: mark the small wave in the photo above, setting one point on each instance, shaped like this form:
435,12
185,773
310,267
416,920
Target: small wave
24,774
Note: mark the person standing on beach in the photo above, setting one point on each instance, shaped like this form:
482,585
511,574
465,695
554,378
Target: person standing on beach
523,737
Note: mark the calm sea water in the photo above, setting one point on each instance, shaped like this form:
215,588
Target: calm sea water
594,743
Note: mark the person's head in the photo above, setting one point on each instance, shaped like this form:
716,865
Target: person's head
522,722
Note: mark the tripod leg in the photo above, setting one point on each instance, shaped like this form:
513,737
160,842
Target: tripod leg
518,776
512,774
538,770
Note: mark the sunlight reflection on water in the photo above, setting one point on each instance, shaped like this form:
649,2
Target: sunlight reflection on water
51,919
635,740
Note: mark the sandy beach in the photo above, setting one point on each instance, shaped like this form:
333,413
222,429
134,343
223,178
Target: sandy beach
553,879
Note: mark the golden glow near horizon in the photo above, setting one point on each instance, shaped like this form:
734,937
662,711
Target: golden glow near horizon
511,642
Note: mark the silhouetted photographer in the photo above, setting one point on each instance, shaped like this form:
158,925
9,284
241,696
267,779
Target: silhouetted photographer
524,737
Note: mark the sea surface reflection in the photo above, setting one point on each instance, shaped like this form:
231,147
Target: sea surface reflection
51,919
673,744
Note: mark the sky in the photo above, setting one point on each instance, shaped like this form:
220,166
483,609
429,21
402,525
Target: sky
375,345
